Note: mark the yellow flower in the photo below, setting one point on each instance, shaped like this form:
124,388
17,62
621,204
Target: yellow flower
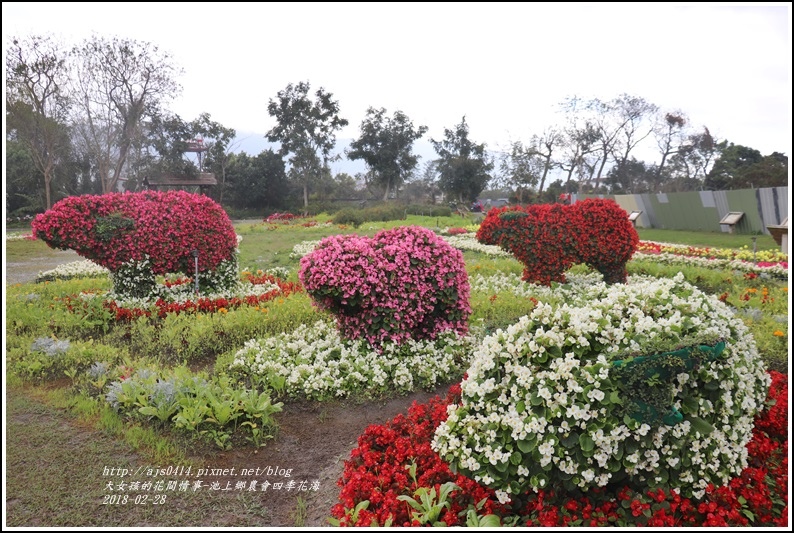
223,310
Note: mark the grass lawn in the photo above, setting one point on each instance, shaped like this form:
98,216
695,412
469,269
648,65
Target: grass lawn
708,239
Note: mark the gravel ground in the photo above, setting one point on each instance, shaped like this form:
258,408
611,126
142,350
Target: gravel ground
26,271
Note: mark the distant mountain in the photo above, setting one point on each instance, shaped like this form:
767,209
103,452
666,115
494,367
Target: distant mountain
255,143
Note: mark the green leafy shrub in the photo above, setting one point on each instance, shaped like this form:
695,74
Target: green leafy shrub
48,358
195,403
350,217
429,210
383,213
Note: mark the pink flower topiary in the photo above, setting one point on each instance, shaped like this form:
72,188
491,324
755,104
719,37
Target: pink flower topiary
404,283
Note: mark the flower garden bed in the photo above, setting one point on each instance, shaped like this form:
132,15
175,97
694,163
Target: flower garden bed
396,476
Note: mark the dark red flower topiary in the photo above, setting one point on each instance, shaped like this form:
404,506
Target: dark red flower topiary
548,239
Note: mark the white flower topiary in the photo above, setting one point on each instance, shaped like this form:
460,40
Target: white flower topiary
585,392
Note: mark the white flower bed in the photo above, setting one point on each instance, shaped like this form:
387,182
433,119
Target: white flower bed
76,269
543,405
468,241
314,362
180,294
303,248
507,282
19,236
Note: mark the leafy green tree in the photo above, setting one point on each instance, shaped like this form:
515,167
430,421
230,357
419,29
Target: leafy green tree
519,169
218,140
631,177
306,130
22,181
37,103
464,167
385,145
343,186
422,186
740,167
257,182
771,171
731,166
170,136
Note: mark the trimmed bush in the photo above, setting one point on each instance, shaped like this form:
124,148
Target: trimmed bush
349,216
429,210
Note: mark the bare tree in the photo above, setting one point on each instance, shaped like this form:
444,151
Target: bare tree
669,133
700,151
579,143
118,83
635,115
576,146
544,147
37,104
619,125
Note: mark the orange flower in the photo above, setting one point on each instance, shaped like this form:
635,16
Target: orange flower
779,333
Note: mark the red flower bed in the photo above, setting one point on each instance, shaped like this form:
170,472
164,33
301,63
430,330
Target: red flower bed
377,469
281,217
377,472
548,239
202,305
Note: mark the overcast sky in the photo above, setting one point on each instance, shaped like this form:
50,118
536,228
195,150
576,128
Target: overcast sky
504,66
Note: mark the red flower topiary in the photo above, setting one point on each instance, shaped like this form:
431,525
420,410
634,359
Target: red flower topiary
113,229
549,239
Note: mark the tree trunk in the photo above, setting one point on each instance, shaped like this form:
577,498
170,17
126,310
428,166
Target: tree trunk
47,181
223,182
600,170
545,172
386,194
568,179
